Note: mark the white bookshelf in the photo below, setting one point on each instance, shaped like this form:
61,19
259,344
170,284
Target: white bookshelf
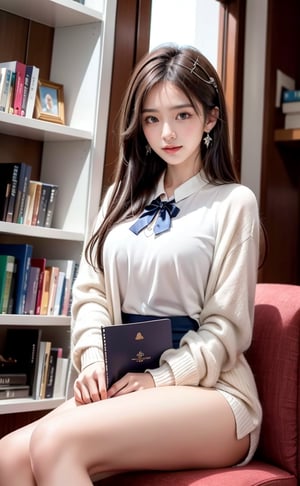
73,154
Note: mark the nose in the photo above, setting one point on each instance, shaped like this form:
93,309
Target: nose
168,133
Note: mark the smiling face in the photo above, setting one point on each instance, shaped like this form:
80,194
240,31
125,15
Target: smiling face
173,127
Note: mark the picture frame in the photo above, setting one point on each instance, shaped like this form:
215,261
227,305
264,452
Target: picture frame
49,103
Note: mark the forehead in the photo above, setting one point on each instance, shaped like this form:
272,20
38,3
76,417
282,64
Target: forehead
165,94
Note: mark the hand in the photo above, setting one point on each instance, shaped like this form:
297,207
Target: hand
90,385
129,383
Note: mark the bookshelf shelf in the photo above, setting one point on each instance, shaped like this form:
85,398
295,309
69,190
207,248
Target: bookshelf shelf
55,13
34,129
40,232
32,321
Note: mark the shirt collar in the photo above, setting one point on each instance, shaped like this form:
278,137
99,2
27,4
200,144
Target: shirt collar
189,187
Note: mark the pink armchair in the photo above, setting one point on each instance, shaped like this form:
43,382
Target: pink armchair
275,359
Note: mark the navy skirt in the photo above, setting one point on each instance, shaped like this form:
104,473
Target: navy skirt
180,324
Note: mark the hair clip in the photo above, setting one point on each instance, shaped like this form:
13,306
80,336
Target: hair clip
210,79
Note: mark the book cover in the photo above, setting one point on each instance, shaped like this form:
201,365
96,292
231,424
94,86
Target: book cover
30,202
22,254
41,264
9,271
45,292
54,273
44,377
22,187
134,347
27,80
51,206
13,186
10,98
21,346
12,379
45,197
34,77
36,202
54,354
32,289
17,391
59,294
3,266
39,369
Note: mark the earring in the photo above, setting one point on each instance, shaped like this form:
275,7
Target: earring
148,149
207,140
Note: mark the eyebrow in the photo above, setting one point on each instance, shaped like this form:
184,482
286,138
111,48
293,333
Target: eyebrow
177,107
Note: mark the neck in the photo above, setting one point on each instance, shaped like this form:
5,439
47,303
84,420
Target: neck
174,178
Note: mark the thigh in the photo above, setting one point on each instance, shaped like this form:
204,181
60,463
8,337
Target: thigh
159,428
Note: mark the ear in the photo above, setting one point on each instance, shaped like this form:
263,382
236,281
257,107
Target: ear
211,119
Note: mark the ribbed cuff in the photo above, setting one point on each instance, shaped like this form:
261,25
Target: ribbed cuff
90,356
162,376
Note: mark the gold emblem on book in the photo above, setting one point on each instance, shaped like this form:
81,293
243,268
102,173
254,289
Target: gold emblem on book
140,357
139,336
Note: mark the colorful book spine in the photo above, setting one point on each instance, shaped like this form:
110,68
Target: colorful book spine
290,95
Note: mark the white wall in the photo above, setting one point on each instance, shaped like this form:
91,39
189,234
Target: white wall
254,85
192,22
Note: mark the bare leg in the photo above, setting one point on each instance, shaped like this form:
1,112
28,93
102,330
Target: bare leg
15,466
159,428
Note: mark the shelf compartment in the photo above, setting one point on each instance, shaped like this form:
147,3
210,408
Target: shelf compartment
55,13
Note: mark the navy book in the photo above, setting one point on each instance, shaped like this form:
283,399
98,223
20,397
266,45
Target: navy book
22,254
134,347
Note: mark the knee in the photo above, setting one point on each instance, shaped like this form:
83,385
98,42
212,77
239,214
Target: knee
45,448
13,456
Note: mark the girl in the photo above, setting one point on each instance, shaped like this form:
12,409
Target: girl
194,260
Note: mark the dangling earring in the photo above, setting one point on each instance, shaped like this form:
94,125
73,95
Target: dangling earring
148,149
207,140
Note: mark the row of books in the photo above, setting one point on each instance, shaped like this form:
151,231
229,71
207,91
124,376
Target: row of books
291,108
31,366
23,200
31,285
18,88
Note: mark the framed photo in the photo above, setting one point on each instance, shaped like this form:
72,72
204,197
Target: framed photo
49,103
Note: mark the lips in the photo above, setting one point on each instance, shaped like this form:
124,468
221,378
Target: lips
172,150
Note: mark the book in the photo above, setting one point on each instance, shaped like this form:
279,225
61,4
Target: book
36,202
69,269
59,294
44,378
45,292
19,68
20,348
44,200
7,265
32,290
40,366
22,188
292,120
55,353
22,253
4,88
53,282
51,205
291,107
34,77
17,391
13,186
290,95
134,347
61,377
13,379
41,264
30,202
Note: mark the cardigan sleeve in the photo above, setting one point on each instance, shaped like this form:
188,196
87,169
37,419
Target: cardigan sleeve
91,309
225,329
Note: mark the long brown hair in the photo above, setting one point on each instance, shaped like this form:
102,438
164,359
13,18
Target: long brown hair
137,174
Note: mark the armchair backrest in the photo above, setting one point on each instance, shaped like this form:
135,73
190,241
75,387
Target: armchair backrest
275,361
